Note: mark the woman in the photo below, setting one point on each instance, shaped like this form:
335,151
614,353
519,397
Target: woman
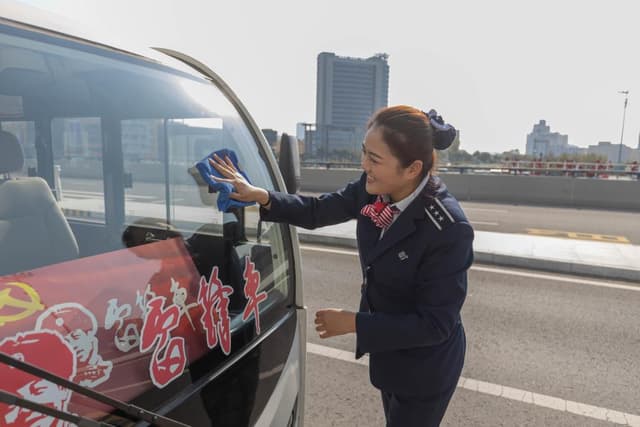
415,249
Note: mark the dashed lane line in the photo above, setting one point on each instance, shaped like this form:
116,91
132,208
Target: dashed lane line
497,390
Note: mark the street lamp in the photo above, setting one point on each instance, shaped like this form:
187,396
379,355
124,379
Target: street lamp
624,112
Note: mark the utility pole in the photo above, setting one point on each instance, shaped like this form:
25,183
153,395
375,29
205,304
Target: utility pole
624,112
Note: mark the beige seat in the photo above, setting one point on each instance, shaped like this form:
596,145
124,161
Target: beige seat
33,229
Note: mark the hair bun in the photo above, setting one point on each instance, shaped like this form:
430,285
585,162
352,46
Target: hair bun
444,133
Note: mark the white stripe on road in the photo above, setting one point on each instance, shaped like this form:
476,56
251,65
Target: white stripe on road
82,192
510,393
506,271
92,194
502,211
328,250
484,223
597,283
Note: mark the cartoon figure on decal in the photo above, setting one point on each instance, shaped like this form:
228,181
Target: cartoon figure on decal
78,326
49,351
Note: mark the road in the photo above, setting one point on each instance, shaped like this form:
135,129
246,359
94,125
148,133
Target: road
570,223
589,224
561,350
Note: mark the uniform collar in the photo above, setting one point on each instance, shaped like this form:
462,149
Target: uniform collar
404,203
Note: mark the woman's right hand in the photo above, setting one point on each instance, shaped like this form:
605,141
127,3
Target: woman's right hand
245,192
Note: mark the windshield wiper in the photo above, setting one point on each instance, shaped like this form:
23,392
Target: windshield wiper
10,399
132,411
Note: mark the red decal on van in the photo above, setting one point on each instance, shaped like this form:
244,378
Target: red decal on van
127,336
157,327
47,350
252,283
97,307
79,327
214,298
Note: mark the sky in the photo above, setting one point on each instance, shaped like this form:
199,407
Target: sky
492,68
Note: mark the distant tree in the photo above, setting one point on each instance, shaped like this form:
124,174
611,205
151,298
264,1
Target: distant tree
512,155
484,157
580,158
457,155
460,156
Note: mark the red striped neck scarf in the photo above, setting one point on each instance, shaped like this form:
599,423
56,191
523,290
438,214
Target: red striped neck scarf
380,212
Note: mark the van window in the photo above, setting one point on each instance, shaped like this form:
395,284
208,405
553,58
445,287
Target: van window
108,236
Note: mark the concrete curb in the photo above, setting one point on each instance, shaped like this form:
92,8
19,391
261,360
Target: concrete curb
550,265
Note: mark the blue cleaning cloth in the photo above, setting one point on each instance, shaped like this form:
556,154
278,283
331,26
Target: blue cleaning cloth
224,189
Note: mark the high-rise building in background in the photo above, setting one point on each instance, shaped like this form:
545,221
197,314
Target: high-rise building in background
349,90
541,142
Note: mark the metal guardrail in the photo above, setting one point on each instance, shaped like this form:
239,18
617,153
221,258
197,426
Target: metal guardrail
527,168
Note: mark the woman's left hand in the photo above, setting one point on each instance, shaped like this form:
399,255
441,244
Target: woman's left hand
332,322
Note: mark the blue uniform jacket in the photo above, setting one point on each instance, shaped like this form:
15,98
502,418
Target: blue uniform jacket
414,282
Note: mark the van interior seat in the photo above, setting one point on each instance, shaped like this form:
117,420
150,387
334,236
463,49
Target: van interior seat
33,229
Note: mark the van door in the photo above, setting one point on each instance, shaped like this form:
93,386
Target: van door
120,267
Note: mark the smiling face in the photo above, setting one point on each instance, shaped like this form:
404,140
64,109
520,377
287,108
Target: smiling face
385,174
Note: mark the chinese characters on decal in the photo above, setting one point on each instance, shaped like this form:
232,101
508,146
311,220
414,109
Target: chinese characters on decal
156,330
127,336
214,298
252,283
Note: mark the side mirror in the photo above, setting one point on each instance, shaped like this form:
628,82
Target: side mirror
289,163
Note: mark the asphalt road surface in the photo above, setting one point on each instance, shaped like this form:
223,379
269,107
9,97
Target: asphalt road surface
543,350
569,223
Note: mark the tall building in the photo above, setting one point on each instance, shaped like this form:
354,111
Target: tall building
541,142
349,90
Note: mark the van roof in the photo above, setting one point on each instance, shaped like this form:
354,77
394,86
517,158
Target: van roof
29,17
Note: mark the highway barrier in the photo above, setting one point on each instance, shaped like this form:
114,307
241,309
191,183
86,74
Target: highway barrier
563,191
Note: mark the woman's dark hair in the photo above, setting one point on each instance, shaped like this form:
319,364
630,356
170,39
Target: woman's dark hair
410,135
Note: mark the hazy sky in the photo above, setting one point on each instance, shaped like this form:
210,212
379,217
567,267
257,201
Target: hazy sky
492,68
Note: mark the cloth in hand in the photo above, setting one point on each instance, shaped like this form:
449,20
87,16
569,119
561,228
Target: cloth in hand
222,188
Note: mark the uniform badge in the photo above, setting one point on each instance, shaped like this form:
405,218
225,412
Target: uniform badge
438,214
403,255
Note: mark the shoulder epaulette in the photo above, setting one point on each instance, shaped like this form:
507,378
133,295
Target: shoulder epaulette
437,213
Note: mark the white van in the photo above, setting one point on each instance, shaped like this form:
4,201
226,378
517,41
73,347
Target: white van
127,297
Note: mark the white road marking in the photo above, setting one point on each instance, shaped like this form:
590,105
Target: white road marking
83,192
523,396
93,194
553,277
328,250
484,223
500,211
543,276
